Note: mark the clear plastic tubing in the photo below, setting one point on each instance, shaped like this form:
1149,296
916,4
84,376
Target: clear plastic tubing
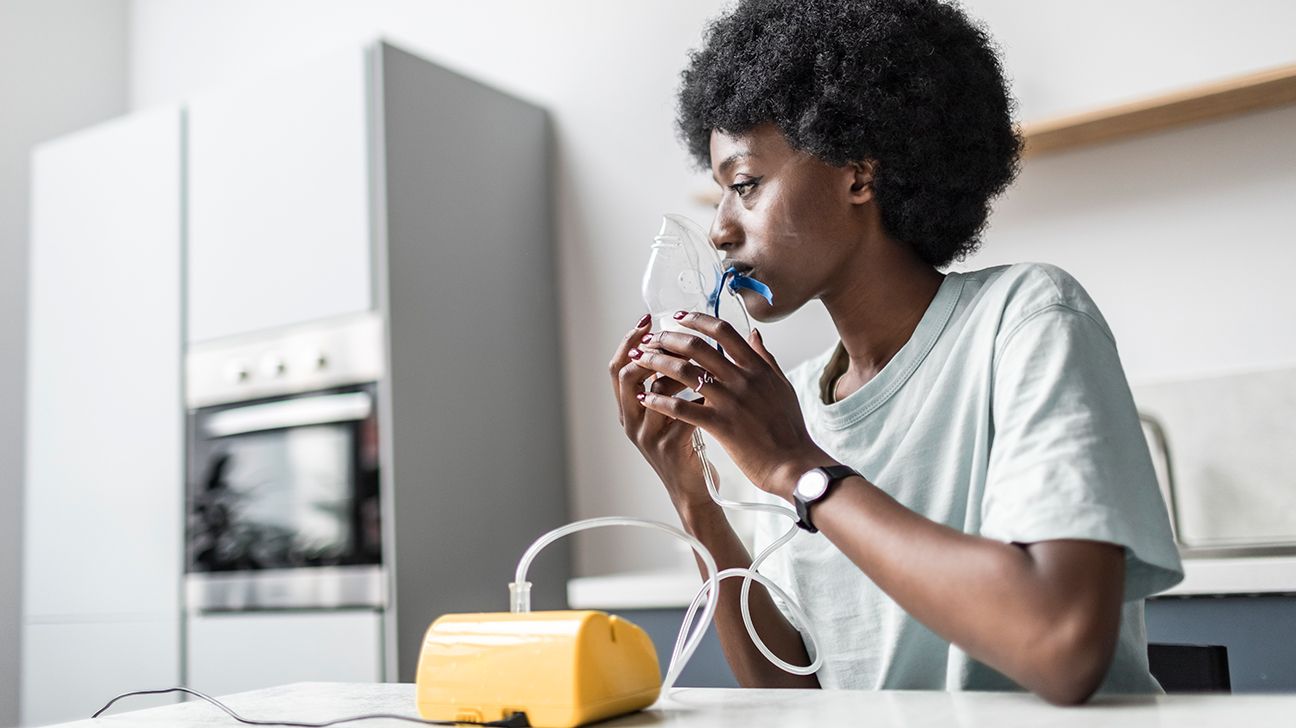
686,643
520,589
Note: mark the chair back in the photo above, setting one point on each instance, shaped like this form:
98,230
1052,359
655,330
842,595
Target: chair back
1190,668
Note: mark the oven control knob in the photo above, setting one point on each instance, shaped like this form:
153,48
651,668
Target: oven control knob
273,366
237,372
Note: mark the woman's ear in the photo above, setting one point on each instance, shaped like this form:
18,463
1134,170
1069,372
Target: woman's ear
861,189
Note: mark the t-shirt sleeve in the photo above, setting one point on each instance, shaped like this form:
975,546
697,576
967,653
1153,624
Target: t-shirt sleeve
1068,459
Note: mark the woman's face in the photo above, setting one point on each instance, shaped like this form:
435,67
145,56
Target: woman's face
785,218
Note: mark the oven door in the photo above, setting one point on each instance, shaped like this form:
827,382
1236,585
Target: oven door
283,505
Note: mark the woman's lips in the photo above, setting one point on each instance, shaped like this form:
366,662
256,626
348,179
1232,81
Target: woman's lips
738,265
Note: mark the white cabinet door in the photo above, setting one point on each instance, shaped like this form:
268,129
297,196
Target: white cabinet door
104,480
232,652
72,669
279,200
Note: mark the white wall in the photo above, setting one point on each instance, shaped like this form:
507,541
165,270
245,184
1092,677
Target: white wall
1069,55
1182,237
62,67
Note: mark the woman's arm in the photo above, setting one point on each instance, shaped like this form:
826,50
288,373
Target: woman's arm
1045,614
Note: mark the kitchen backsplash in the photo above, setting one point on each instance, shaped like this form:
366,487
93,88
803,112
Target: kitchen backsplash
1232,445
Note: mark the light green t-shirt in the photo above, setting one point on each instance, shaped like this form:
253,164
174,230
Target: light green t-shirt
1007,414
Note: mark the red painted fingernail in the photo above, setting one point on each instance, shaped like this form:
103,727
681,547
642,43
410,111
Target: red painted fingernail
640,396
644,321
680,314
646,338
634,353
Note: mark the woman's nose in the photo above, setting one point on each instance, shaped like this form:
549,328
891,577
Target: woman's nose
725,233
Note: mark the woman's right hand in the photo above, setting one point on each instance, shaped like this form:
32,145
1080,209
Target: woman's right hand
666,443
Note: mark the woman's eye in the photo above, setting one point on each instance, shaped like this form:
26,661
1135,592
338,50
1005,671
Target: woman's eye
744,187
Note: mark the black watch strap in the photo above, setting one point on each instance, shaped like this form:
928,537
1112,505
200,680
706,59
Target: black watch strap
835,473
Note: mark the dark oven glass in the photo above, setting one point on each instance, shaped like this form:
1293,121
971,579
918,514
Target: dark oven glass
285,482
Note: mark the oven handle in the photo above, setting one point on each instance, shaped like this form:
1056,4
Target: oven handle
299,412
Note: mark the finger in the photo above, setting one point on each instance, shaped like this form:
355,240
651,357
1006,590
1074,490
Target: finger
649,421
666,386
620,358
630,381
734,344
682,371
690,346
629,342
675,408
758,346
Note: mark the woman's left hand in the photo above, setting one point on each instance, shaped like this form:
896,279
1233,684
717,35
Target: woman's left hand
747,403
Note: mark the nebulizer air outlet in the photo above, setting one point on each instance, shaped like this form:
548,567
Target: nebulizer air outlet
477,659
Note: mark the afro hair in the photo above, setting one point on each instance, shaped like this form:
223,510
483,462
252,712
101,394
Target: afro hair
914,85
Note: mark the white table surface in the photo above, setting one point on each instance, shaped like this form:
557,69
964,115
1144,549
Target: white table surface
718,708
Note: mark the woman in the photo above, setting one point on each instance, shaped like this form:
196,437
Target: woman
996,522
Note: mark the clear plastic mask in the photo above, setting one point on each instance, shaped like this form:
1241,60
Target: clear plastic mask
684,274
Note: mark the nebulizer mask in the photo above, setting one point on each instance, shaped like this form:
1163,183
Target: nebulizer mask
685,274
598,665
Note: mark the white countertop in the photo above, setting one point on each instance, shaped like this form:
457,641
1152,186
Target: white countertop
675,589
716,708
1224,576
636,590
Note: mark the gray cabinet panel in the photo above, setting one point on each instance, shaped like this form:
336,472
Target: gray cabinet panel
1257,630
475,436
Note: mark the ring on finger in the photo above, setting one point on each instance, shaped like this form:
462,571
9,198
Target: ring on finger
704,379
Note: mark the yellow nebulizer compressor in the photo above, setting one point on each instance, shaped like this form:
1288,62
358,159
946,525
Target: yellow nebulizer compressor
562,668
558,669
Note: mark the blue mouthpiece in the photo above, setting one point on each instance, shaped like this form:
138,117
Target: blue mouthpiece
738,280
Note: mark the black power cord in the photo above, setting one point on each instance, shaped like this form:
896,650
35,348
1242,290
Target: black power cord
517,720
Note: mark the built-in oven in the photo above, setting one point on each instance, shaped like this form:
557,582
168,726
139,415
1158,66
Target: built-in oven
283,470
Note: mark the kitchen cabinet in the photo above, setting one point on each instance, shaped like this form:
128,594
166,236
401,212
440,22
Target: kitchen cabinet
362,187
237,651
71,669
104,443
279,200
403,162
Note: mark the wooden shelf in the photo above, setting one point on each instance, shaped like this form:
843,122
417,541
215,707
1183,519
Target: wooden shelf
1214,100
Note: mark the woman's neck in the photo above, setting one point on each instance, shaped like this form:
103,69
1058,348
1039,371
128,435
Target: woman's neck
876,305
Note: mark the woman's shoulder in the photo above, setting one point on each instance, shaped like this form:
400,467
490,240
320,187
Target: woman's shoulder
1018,292
1027,284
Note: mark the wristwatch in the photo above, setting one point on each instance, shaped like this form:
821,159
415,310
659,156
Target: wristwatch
813,486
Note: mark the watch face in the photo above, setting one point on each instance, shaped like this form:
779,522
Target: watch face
812,485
